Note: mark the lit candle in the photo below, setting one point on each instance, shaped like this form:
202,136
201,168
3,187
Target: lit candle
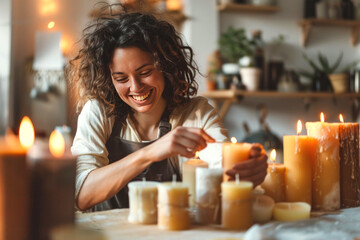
236,209
294,211
208,199
143,202
234,153
262,208
173,203
53,184
274,185
188,175
299,154
349,164
326,167
14,183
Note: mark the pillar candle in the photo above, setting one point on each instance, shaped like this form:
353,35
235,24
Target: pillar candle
236,209
349,164
326,167
274,182
294,211
14,189
143,202
262,208
189,178
234,153
173,203
208,199
53,185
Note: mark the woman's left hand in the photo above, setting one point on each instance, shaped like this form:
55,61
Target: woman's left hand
254,169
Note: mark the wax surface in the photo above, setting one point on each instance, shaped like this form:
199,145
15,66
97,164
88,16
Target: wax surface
234,153
286,211
274,182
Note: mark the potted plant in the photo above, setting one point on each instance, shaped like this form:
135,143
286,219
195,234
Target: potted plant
324,75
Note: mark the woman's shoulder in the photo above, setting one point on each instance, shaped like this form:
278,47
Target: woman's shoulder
196,103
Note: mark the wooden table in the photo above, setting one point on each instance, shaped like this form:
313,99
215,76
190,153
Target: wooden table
113,225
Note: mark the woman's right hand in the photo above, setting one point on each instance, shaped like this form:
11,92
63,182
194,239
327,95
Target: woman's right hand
184,141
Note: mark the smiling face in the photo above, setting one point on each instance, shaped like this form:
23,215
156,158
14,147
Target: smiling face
136,80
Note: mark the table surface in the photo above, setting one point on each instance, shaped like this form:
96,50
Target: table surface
113,225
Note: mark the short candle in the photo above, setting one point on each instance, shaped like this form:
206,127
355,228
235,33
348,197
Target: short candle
262,208
286,211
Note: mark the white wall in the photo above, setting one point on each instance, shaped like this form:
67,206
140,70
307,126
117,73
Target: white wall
282,114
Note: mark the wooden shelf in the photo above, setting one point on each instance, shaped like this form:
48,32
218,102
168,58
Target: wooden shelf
230,96
234,7
307,24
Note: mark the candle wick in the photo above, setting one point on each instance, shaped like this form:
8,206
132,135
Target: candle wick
144,179
237,178
173,178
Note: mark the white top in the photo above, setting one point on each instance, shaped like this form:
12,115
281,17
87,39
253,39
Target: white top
94,129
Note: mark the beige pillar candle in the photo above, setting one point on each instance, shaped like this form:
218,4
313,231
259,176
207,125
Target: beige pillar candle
173,203
188,175
236,209
326,167
53,184
143,202
14,184
208,199
294,211
234,153
274,182
262,208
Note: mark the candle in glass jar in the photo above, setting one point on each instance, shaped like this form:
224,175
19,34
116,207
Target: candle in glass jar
173,203
291,211
234,153
208,199
349,164
14,183
236,209
189,177
299,154
274,185
143,202
326,167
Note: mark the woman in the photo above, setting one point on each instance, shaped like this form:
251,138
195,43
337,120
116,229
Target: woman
135,80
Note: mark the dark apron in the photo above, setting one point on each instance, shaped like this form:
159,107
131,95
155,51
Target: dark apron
119,148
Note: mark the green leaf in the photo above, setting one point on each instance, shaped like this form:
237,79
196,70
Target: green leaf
312,64
336,64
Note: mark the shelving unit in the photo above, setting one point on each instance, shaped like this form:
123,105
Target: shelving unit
307,24
235,7
229,97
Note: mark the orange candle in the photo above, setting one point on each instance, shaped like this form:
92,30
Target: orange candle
349,164
274,183
233,153
14,183
326,167
299,154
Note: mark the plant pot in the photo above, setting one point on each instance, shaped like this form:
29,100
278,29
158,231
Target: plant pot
250,77
230,68
339,81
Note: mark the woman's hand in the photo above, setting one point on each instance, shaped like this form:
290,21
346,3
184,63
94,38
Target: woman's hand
254,169
184,141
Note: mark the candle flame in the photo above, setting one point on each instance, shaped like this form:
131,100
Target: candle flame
51,25
197,154
174,5
233,140
273,155
299,127
322,117
26,132
341,118
57,144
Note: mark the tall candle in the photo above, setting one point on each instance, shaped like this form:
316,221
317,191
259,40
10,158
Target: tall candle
143,202
53,184
208,199
189,177
173,203
326,167
14,184
299,154
236,209
274,182
349,164
234,153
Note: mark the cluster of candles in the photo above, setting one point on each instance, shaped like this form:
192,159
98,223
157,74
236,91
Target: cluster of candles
37,183
320,168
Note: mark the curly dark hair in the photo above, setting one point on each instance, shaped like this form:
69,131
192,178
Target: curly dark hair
89,69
